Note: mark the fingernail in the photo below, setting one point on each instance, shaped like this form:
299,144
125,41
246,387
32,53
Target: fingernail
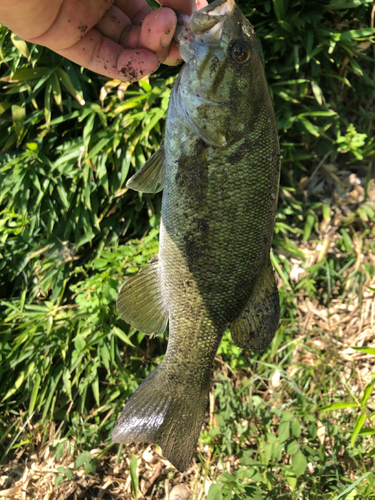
157,67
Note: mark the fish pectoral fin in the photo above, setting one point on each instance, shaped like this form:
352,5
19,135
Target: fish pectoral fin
150,178
255,327
140,301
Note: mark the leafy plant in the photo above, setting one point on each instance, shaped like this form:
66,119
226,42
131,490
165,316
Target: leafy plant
361,404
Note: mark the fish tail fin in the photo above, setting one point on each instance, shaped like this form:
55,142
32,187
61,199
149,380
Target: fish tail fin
162,412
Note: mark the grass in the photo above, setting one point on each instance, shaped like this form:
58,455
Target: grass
295,421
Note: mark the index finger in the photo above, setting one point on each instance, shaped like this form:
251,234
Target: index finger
106,57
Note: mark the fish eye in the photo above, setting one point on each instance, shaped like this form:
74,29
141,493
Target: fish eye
240,51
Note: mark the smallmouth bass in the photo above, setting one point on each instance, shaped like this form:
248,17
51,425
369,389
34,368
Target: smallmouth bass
219,171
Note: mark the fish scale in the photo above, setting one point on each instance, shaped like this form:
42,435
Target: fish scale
219,171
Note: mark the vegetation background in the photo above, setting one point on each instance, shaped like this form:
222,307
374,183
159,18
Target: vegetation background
294,421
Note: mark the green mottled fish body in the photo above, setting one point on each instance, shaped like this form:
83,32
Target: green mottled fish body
219,169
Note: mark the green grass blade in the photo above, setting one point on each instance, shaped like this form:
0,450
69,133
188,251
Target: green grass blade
352,486
358,426
339,406
134,475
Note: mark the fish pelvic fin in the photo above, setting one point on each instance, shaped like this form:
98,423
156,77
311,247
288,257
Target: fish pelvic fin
255,327
140,302
166,413
150,178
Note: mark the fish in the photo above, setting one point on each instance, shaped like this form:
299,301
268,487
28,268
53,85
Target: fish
219,170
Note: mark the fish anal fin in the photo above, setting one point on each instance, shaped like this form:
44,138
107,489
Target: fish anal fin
140,301
150,178
256,326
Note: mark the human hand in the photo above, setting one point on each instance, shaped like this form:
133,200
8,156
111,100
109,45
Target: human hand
123,39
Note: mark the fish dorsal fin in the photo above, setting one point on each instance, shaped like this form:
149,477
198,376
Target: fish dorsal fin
150,178
140,302
255,327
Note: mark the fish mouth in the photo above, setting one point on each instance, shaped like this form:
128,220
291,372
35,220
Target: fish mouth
206,19
203,26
